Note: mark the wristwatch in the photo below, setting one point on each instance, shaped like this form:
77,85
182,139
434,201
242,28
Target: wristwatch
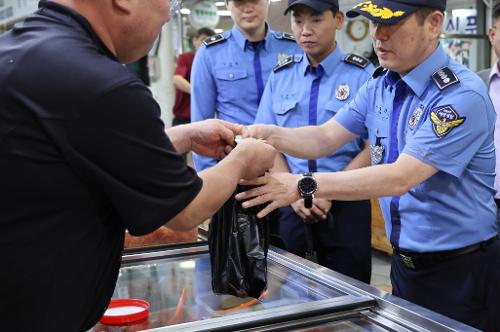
307,186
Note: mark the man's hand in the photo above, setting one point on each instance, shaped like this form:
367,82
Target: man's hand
317,213
214,138
279,189
257,157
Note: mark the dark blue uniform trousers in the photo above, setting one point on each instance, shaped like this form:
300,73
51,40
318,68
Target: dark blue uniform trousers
344,247
465,288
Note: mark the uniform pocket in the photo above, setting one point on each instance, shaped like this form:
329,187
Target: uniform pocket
287,113
330,109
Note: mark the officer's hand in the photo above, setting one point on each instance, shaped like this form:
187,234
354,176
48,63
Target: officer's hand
318,212
320,208
214,138
257,157
277,189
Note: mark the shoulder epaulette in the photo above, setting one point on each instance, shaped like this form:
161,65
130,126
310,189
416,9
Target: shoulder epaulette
378,72
215,39
357,60
285,63
284,35
444,78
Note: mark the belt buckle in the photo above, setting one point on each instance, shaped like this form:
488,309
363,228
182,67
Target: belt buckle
407,261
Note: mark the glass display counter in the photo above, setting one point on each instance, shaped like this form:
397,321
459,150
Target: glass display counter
301,296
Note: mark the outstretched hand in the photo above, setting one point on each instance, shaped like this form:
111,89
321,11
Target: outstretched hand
276,189
214,138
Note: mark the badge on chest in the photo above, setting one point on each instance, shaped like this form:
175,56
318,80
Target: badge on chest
343,91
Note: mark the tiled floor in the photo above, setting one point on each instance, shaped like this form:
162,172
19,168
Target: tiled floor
381,269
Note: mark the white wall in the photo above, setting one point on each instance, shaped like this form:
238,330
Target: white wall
163,89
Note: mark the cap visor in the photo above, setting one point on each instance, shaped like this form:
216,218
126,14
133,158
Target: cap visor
385,12
318,6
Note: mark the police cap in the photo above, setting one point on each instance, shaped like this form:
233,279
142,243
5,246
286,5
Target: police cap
317,5
392,11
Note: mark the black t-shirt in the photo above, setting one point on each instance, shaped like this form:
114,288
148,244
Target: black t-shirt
83,156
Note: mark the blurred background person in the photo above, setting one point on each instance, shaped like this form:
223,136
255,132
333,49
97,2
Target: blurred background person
181,78
491,77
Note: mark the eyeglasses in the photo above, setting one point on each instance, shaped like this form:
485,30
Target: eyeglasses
175,6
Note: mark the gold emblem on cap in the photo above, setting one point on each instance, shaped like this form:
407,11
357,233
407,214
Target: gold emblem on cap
384,13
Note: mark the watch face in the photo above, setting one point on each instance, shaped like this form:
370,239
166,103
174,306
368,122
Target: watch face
307,185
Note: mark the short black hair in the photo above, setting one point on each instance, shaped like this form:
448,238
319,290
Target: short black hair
423,12
495,13
204,31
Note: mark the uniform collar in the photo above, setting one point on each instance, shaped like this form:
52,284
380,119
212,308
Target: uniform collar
241,39
421,76
329,63
72,17
495,71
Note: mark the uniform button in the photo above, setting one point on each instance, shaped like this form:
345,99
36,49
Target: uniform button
231,76
11,61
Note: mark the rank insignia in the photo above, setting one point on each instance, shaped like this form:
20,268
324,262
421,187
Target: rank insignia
342,92
444,78
288,36
415,117
285,63
357,60
282,57
214,40
444,120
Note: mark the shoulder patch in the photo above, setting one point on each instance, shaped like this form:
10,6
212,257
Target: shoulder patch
285,63
284,35
378,72
357,60
214,40
444,119
444,78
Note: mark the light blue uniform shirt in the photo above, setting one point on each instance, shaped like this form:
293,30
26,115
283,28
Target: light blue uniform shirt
450,129
224,83
285,102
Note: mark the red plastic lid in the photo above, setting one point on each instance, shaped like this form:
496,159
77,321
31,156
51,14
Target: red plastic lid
125,311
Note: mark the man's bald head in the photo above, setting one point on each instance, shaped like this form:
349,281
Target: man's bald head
127,27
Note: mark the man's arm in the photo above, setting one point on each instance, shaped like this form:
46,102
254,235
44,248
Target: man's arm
249,159
180,79
181,83
395,179
362,159
308,143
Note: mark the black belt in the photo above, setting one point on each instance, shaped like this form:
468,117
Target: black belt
415,261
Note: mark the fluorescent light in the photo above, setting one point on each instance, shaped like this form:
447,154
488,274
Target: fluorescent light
220,3
185,11
218,30
223,13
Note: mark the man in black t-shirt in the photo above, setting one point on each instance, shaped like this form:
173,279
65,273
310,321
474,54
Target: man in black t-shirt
84,156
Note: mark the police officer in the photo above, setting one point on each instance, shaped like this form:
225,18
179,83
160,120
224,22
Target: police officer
230,70
309,88
430,122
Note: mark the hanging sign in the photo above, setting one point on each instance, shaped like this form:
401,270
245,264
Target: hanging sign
204,15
